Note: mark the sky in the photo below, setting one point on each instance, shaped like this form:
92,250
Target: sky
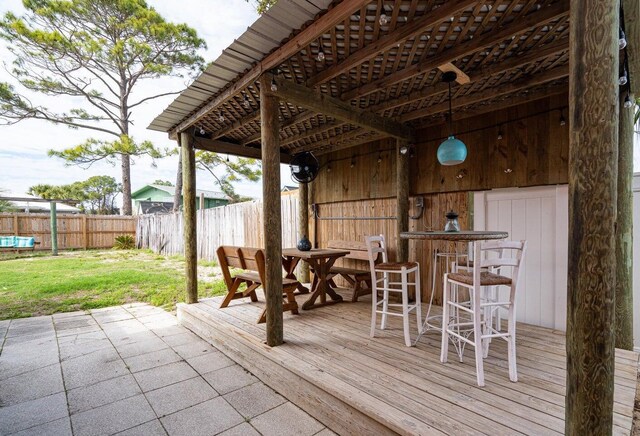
23,146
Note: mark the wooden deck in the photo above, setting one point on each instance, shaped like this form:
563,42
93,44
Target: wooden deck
357,385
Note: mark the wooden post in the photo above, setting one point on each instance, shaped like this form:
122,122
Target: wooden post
593,161
269,127
85,235
54,229
624,230
189,216
201,201
16,225
303,224
402,194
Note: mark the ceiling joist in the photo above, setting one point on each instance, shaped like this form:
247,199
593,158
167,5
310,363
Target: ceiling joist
334,16
488,39
325,104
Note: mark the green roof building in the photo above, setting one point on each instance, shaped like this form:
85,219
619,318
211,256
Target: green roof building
159,198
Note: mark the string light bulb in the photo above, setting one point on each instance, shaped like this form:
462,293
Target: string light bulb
246,102
384,19
623,78
628,103
622,42
353,162
274,85
404,149
379,157
320,57
562,120
202,132
221,117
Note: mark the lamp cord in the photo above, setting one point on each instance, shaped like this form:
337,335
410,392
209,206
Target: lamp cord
450,113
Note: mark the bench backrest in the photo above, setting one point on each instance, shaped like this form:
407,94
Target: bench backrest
357,250
246,258
17,242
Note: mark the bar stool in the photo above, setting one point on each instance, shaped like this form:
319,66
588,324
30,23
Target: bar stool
476,324
376,246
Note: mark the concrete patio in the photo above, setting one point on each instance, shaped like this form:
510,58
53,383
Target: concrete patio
131,370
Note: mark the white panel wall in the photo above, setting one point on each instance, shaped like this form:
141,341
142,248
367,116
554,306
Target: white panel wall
538,215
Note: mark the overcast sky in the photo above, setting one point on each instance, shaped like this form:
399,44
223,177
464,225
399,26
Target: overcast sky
23,147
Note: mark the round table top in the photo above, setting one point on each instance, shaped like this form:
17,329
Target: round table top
464,235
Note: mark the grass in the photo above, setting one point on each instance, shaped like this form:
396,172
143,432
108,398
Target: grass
92,279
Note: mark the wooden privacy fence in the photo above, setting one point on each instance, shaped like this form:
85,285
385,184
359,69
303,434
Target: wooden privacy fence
237,224
74,231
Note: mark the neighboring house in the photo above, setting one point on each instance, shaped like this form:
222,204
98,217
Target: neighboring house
159,198
40,207
287,188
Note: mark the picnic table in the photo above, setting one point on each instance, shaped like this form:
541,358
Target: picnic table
320,260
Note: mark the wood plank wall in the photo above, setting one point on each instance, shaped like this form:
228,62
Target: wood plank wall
361,181
74,231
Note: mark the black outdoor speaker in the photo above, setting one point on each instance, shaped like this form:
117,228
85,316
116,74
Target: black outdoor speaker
304,167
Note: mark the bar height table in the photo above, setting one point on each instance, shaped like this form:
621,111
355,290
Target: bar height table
465,236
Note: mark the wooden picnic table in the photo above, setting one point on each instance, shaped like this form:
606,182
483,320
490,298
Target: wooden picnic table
320,260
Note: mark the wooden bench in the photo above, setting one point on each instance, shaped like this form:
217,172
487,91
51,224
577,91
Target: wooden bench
358,278
251,261
18,243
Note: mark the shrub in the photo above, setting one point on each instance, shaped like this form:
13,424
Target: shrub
124,242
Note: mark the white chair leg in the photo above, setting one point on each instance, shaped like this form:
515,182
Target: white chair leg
444,346
374,306
418,301
405,308
477,336
511,344
385,299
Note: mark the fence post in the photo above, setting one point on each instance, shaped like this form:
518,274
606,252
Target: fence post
85,239
16,225
54,229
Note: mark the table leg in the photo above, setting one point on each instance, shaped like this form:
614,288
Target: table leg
289,263
321,286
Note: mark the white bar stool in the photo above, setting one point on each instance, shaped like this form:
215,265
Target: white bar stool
461,319
376,246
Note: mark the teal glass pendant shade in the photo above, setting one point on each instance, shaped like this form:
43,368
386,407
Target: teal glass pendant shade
452,151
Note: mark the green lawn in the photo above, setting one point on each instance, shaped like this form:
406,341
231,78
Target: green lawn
83,280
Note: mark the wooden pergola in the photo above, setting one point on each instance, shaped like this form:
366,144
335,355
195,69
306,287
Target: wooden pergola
338,75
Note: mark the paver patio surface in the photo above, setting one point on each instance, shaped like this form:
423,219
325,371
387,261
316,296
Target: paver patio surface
131,370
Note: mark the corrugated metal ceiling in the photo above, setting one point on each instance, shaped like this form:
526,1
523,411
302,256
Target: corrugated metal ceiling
264,35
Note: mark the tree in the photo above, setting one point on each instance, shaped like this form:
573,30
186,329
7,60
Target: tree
96,195
5,206
162,183
97,52
263,6
232,171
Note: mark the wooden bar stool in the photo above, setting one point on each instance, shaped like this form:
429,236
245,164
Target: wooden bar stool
375,247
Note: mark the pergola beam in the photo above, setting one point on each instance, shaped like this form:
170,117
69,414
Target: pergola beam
341,142
539,79
342,110
417,26
337,14
487,39
483,74
224,147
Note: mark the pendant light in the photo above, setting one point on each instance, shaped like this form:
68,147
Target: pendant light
452,151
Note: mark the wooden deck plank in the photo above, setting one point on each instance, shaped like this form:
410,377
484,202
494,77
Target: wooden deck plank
380,382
